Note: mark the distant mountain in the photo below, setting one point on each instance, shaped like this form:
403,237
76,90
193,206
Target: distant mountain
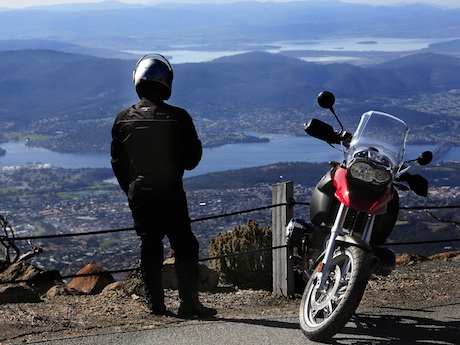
93,6
263,78
425,72
41,44
78,95
451,46
45,82
440,175
114,25
431,60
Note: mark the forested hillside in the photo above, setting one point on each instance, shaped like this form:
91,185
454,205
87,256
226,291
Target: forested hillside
59,83
307,174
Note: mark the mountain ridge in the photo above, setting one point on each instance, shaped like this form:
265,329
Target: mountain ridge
45,91
238,22
251,78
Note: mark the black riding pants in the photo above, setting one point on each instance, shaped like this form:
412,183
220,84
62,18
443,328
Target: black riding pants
154,218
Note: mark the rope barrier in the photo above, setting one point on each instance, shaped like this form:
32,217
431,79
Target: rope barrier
422,242
47,278
443,220
223,215
242,253
225,256
77,234
421,208
238,212
127,270
28,238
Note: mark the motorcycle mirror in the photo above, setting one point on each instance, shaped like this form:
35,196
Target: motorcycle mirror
425,158
326,99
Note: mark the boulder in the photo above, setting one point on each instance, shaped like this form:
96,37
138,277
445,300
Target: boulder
3,265
40,280
94,279
114,288
446,256
208,278
61,290
18,293
408,259
134,284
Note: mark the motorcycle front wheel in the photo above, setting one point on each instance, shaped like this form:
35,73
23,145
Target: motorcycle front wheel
324,311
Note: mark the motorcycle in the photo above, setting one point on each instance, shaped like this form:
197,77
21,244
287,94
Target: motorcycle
353,209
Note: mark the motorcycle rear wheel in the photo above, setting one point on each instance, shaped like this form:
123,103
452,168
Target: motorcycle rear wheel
325,311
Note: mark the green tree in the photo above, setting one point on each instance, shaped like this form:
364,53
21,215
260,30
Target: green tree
252,268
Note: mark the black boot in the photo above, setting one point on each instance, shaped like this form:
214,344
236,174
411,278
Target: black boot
193,308
157,309
154,291
188,281
151,269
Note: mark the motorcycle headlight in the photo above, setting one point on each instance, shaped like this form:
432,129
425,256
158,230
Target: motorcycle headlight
362,171
382,176
368,173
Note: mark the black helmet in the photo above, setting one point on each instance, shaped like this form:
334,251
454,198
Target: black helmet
153,74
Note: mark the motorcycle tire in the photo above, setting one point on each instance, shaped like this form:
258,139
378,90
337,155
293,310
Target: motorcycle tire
325,311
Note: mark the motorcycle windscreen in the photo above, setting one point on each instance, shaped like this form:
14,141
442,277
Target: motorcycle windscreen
383,133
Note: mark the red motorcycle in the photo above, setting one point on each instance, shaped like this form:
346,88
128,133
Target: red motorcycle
353,209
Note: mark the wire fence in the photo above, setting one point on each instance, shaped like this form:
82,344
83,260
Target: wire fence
223,215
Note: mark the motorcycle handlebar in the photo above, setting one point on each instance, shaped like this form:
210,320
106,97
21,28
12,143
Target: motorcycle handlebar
417,183
323,131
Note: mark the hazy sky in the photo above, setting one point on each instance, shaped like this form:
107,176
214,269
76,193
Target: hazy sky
25,3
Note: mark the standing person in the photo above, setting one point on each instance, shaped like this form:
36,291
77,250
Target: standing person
152,144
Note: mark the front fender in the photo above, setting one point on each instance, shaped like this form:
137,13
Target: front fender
347,241
353,241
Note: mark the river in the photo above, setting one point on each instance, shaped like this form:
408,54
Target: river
201,53
280,148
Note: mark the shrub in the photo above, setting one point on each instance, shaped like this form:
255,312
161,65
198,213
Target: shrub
250,270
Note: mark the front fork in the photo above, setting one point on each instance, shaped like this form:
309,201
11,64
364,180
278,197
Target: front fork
336,230
324,265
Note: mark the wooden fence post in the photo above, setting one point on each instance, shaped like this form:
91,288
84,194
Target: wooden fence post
283,273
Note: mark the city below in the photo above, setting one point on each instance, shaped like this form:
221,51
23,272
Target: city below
52,201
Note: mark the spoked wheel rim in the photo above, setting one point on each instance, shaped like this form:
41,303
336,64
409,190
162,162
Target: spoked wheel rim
323,301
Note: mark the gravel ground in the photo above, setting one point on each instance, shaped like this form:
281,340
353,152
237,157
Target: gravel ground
415,280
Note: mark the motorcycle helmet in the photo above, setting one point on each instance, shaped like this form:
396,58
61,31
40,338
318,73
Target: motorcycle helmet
153,74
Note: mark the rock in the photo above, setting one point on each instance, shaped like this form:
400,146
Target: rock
18,293
95,279
409,259
61,290
3,265
46,280
134,285
114,287
208,277
20,271
403,258
454,255
41,281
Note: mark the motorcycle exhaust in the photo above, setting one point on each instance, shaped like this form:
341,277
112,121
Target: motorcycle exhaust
306,237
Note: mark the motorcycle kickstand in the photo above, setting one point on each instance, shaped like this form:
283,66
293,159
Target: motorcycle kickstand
363,320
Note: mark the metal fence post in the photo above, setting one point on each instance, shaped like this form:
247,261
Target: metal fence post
283,273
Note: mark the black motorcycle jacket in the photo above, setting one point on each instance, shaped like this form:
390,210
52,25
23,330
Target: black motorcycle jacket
152,144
